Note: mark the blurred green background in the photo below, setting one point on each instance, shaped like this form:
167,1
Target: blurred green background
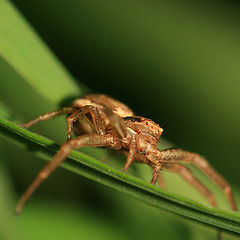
174,62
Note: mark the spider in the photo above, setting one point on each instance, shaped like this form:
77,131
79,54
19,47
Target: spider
101,121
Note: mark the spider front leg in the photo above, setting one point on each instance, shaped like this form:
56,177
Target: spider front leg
87,140
187,175
48,116
156,171
130,157
183,171
116,122
80,115
140,157
203,164
178,155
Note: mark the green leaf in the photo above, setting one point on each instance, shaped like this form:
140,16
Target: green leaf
93,169
24,51
6,201
32,78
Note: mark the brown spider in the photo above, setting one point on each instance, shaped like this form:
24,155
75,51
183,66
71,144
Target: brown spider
99,121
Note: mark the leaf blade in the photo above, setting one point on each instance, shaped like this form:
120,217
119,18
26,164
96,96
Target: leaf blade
25,52
100,172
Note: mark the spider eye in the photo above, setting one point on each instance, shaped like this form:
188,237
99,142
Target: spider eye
146,123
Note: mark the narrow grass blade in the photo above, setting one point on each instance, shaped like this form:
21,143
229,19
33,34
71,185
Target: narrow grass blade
93,169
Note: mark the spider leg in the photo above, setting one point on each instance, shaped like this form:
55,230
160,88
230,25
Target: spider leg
156,171
80,114
139,157
133,154
161,181
87,140
130,157
116,122
203,165
187,175
48,116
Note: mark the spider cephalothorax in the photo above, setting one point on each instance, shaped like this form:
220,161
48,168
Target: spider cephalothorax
100,121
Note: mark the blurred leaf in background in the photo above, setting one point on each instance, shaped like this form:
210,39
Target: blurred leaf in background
174,62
